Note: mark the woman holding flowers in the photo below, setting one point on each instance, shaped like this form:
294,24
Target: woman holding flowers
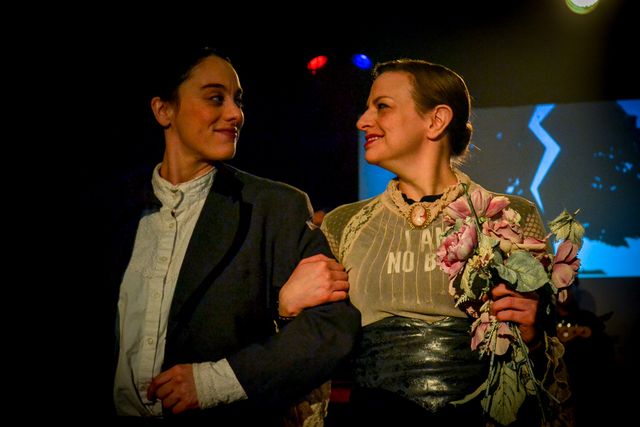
415,359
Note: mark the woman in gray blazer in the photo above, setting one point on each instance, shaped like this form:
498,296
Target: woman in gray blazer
201,254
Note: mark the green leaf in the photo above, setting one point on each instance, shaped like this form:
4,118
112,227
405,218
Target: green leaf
531,275
519,359
507,274
507,396
469,275
487,243
566,227
497,256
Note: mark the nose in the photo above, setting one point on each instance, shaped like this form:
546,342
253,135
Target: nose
364,121
234,114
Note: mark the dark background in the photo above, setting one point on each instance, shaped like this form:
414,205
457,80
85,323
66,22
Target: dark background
300,128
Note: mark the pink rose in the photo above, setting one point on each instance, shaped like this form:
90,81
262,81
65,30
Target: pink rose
535,241
565,265
485,204
503,230
458,209
456,248
495,206
538,249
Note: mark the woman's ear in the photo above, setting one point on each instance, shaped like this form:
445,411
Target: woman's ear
162,111
440,117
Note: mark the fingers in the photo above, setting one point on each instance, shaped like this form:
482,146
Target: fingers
333,281
518,308
518,303
335,265
503,290
338,296
340,285
509,305
313,282
522,314
167,395
330,262
315,258
338,275
175,388
158,382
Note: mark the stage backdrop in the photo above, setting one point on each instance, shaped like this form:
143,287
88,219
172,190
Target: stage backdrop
561,156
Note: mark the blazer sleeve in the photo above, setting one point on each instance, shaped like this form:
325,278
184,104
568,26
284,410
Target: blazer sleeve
307,350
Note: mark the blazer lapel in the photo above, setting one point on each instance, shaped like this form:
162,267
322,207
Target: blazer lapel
210,245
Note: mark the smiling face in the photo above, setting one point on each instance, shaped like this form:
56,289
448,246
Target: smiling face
203,124
394,129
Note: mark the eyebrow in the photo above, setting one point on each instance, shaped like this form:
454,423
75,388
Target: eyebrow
219,86
378,98
214,85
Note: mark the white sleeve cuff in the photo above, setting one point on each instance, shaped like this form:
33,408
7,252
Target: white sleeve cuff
216,384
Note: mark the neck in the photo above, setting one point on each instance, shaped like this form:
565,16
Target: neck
426,179
177,169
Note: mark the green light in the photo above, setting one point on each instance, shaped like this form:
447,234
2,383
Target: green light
582,7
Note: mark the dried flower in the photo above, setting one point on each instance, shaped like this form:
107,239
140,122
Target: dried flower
484,245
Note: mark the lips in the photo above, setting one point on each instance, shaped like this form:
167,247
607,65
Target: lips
231,132
371,138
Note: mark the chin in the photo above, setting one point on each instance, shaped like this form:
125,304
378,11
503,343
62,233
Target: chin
221,155
371,159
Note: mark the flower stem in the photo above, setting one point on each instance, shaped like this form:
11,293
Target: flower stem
523,346
493,331
473,210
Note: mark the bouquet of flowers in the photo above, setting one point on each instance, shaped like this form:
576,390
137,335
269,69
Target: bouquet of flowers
484,245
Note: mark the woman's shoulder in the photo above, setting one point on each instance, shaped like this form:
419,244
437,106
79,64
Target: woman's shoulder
261,186
349,207
337,220
344,213
518,203
531,222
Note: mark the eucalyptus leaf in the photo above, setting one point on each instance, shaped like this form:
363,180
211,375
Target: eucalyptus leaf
531,275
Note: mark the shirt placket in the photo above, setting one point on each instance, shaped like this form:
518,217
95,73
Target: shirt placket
158,277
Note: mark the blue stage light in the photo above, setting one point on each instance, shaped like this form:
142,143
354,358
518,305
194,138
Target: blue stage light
361,60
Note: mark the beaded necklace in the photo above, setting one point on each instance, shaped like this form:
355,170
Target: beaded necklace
420,214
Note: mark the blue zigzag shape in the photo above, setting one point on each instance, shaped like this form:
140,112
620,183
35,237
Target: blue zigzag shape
551,148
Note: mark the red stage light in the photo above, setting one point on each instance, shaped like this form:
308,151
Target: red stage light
316,63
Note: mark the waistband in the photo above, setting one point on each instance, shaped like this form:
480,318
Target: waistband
428,363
